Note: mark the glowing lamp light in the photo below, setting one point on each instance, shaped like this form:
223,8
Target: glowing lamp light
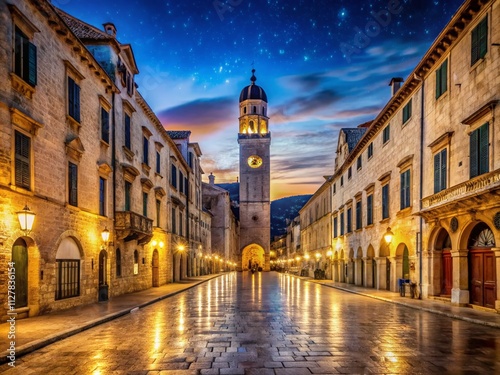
105,235
26,219
388,236
181,247
307,256
154,243
317,255
161,244
329,253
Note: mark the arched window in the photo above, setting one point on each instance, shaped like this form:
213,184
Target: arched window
20,260
118,263
264,111
254,109
244,109
136,262
67,269
252,127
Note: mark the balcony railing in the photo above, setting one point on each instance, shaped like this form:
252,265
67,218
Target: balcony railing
471,187
131,226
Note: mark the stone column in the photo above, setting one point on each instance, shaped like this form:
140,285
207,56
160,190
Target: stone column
381,274
359,276
368,272
267,262
496,250
342,271
335,270
396,272
460,292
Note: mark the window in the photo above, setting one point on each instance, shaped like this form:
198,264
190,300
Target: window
349,173
335,227
359,163
158,211
128,191
174,224
370,150
130,84
385,201
102,196
158,163
73,184
349,220
479,41
342,228
181,182
180,224
386,135
73,99
118,263
442,79
25,58
23,160
334,188
369,209
186,186
136,262
407,111
127,132
191,160
479,150
145,150
144,204
341,180
173,176
67,278
405,190
358,215
104,125
440,171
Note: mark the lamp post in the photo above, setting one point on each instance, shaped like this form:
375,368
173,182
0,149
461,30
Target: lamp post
26,219
105,237
329,254
388,236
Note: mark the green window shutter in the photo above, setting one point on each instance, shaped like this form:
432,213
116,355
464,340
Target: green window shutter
444,171
73,184
437,173
474,154
22,162
483,149
444,77
71,97
483,37
32,68
77,103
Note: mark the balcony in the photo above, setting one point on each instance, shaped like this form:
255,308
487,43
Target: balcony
131,226
463,195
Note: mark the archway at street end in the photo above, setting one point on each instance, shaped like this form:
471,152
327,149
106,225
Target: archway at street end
253,255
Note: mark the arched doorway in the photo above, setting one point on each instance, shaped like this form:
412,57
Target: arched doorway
385,274
443,243
156,268
103,273
20,260
252,256
482,269
371,272
360,264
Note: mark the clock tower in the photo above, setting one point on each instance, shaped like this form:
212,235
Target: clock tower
254,139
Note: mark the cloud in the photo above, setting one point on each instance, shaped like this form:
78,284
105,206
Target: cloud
201,116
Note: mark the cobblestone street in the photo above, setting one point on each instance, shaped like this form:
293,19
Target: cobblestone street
270,323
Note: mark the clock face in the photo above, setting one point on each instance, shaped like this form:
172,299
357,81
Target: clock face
255,161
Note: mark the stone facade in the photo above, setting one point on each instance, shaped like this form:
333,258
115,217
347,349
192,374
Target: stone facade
426,170
84,151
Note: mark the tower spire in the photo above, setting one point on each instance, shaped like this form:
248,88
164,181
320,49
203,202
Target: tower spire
253,78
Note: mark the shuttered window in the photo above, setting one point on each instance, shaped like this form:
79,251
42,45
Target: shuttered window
370,150
104,125
405,190
349,220
23,163
102,196
145,150
335,227
369,209
128,191
358,215
73,184
442,79
158,163
385,201
407,111
479,151
127,132
145,204
173,176
386,134
73,99
479,41
440,170
342,224
25,65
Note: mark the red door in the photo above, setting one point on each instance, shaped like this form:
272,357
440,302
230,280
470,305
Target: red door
482,277
447,273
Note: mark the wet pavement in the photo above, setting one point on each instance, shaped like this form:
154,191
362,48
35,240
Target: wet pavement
270,323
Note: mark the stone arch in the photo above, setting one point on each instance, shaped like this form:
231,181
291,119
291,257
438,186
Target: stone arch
252,255
475,219
75,237
359,268
370,268
441,263
402,261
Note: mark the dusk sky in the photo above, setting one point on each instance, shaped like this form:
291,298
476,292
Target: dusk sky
324,65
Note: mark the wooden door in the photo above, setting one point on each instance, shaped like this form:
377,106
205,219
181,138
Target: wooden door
447,273
476,277
489,283
20,259
156,269
388,275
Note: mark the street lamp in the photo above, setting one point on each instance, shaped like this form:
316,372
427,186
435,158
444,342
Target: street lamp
105,236
26,219
388,236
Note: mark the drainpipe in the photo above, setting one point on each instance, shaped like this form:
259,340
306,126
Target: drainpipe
113,151
421,173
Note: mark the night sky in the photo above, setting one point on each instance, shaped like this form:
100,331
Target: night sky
323,64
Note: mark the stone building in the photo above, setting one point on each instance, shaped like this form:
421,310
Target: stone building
416,197
254,139
84,151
